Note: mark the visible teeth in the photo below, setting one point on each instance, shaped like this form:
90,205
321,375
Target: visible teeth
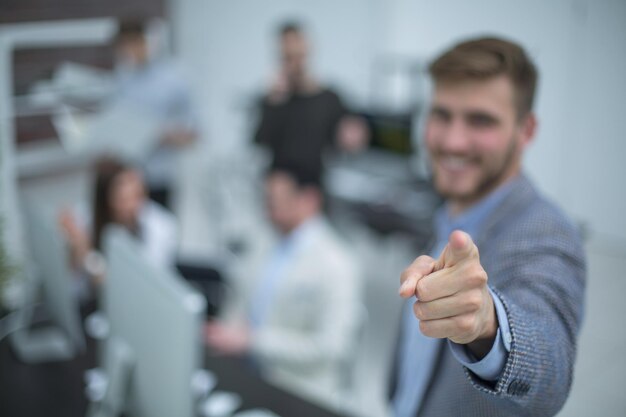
455,162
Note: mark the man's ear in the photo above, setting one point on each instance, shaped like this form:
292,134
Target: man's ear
528,128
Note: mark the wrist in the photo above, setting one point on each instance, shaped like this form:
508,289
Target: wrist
94,264
484,342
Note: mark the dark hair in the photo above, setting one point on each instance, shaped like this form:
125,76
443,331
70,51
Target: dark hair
290,26
107,169
130,29
485,58
304,175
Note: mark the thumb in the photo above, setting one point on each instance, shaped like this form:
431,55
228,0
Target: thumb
460,246
421,267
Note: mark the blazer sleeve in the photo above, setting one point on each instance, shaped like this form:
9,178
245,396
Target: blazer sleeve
540,281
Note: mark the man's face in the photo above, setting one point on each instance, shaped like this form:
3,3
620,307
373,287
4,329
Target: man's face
283,201
294,53
133,50
475,138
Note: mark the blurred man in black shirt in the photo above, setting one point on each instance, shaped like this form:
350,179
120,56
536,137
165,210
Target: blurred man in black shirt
300,117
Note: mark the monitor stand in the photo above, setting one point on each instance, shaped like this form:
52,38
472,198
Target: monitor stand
107,392
41,344
107,387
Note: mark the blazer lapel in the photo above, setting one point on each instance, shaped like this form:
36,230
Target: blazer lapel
520,194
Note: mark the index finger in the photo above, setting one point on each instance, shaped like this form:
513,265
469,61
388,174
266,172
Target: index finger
420,267
460,246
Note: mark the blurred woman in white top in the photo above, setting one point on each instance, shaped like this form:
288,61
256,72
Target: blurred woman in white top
119,197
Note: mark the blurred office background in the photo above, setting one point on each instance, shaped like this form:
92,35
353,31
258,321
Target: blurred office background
374,54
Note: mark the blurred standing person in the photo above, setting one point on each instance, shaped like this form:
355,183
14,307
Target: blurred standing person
298,317
492,316
155,84
300,118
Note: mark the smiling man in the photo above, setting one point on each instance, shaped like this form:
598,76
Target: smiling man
492,315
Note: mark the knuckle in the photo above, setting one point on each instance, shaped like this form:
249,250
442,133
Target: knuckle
465,324
478,276
420,311
420,265
421,290
482,276
461,339
423,259
474,301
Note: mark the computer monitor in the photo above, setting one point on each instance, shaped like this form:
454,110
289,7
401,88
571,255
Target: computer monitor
156,318
109,131
391,132
49,271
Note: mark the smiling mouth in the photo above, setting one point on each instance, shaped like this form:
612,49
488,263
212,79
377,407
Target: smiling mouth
455,163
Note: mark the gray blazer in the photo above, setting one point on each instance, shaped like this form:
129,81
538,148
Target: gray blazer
535,262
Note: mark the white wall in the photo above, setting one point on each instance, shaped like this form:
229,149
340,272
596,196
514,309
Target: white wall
578,45
595,166
230,47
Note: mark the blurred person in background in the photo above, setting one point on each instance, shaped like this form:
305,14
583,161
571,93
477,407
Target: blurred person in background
119,198
155,84
300,118
298,316
493,314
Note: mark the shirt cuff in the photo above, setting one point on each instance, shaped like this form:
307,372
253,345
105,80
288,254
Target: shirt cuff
491,366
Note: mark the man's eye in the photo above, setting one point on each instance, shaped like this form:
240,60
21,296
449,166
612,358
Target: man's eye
481,121
440,116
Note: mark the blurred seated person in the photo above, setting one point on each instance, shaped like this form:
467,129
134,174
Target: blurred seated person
300,118
155,84
118,198
298,316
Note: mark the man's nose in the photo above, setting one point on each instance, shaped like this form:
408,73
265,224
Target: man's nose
455,137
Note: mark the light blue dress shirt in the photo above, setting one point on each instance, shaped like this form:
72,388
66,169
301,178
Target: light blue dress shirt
276,268
159,88
417,352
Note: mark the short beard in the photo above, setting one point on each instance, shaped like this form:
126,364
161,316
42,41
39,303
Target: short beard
492,179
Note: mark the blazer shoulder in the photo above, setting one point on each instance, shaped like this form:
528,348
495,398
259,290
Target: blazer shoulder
329,252
532,225
544,218
526,212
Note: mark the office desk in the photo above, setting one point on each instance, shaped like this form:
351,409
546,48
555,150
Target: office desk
234,376
57,389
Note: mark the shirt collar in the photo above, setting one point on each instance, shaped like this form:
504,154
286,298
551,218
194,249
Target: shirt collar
472,219
301,234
